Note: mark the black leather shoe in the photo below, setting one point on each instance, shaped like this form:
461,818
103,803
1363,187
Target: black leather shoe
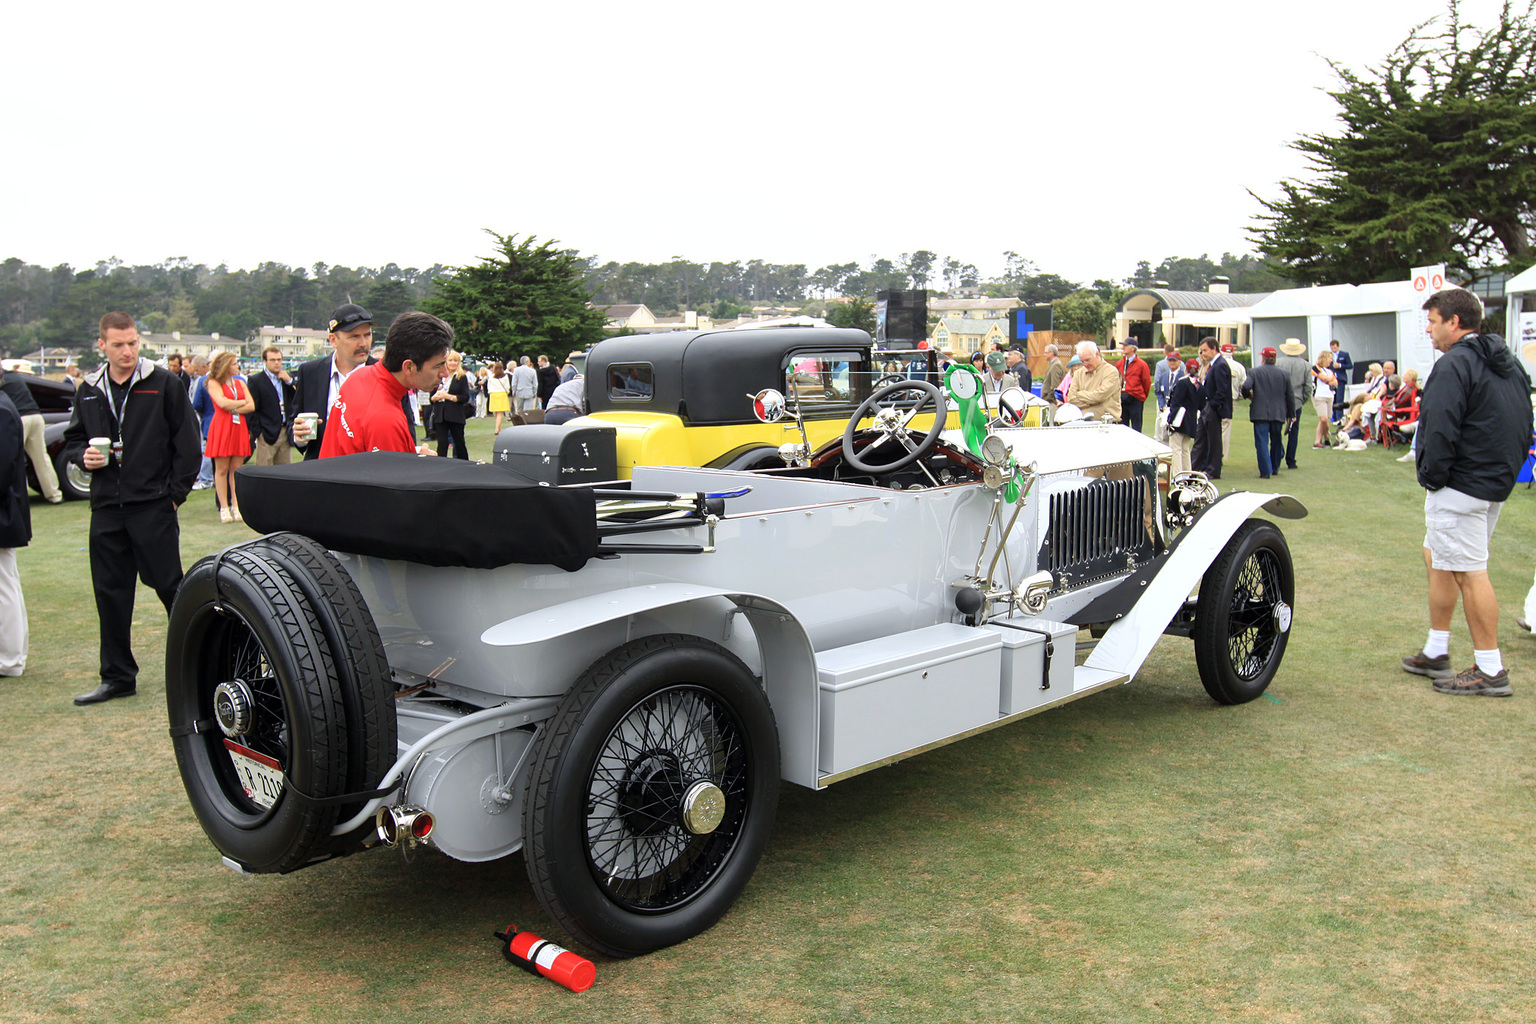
105,692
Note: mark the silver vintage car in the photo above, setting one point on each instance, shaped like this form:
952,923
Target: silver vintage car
615,676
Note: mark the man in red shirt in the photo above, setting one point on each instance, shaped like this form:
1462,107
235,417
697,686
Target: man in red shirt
367,416
1135,385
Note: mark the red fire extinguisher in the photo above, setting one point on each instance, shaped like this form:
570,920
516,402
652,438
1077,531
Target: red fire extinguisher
540,956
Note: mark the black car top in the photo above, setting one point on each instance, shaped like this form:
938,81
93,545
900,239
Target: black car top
703,377
54,398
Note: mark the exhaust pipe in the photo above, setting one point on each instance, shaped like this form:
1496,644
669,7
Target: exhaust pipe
400,822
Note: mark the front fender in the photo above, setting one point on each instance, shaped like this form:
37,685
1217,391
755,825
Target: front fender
788,660
1125,646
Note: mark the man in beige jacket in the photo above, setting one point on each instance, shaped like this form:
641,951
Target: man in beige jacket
1095,385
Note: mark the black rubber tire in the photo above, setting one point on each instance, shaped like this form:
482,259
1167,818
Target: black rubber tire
1238,643
590,750
72,490
367,690
254,619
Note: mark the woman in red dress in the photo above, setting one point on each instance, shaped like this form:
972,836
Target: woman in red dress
229,439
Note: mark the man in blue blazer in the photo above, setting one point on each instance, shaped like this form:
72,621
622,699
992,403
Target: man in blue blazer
1343,368
1215,406
273,391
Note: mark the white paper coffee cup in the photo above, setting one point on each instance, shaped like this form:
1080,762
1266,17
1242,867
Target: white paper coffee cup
103,446
308,421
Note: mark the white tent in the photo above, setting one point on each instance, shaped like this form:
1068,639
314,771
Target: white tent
1372,322
1520,315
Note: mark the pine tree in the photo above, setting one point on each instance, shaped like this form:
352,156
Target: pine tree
1436,162
527,299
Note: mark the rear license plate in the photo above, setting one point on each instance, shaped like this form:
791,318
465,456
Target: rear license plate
261,776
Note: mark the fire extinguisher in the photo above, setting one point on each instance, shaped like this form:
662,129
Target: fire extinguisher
540,956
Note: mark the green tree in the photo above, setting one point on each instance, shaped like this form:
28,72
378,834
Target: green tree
918,266
183,315
1040,288
525,299
857,312
1085,312
1436,161
387,300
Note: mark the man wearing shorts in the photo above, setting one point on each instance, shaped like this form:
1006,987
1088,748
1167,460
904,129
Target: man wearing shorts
1475,416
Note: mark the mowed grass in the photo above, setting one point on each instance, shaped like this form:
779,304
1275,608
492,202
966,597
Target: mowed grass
1351,847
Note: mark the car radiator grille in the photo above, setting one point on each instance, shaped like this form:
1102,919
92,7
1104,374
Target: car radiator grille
1096,530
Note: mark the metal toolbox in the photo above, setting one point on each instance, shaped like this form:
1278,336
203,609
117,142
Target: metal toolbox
558,455
1038,660
893,695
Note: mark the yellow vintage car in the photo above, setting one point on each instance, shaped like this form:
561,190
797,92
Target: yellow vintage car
684,399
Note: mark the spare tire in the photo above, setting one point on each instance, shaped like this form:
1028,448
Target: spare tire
367,691
256,711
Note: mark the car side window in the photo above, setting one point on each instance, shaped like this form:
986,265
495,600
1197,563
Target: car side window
824,379
630,382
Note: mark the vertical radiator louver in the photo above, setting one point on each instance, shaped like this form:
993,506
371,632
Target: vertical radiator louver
1102,521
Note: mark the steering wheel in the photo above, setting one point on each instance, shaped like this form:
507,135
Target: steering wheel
891,422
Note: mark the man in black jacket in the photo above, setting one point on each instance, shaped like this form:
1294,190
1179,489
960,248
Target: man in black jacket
1271,408
1474,433
273,392
151,458
1215,406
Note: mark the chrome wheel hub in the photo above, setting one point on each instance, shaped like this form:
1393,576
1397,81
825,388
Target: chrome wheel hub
703,808
233,707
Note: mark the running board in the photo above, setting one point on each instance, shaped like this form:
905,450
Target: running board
1085,681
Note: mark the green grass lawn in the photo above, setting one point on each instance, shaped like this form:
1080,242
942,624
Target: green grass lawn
1351,847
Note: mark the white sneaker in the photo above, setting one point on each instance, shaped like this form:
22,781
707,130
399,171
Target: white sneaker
1406,458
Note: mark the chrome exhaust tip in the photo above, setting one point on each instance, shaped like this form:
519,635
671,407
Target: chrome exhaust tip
411,824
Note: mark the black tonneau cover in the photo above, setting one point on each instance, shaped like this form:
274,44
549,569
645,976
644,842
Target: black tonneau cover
427,510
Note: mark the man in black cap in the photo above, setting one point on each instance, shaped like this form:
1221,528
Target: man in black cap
317,381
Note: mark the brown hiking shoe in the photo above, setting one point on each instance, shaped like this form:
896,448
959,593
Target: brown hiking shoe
1434,668
1474,683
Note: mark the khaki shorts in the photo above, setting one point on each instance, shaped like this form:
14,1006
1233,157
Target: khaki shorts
1457,529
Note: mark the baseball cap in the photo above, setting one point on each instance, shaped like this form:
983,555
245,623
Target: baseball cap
1229,347
996,361
347,316
1268,352
1193,366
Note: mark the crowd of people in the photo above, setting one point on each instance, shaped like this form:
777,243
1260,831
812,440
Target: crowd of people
1196,397
266,415
149,435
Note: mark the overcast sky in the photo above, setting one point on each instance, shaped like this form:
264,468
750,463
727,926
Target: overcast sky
1084,135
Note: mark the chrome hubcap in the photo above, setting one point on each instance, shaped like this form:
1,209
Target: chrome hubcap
703,808
233,707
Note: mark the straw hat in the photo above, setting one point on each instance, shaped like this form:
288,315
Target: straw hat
1293,347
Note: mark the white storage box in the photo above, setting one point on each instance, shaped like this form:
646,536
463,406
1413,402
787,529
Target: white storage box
889,696
1025,667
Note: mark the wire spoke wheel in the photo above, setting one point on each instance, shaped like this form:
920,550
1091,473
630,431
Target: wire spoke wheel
651,794
247,665
639,846
1251,628
1243,615
235,656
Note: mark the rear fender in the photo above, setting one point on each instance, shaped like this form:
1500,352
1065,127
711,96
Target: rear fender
782,650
